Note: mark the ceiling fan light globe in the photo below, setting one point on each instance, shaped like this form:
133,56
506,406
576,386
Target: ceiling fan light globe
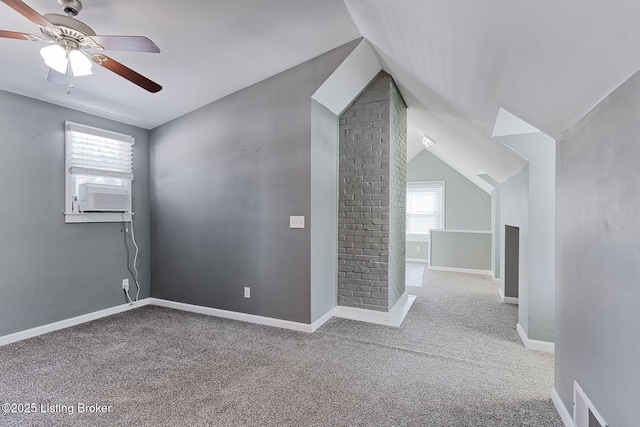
60,65
53,52
81,73
80,64
55,57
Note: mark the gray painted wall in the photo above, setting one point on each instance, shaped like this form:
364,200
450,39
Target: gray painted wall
514,211
49,270
225,179
539,149
497,241
414,253
324,210
461,250
467,207
598,257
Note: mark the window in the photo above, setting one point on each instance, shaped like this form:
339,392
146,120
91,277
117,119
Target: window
104,160
425,207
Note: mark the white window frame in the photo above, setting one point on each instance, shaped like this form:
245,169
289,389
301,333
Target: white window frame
426,237
71,216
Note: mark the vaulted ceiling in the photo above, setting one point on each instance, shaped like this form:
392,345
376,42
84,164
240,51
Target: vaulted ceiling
456,62
209,49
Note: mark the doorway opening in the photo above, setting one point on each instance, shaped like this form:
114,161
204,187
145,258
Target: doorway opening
511,263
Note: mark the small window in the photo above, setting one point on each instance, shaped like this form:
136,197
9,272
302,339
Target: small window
99,173
425,207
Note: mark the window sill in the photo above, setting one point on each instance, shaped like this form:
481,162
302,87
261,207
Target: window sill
75,218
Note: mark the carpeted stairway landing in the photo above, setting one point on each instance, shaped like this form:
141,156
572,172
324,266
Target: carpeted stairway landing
456,361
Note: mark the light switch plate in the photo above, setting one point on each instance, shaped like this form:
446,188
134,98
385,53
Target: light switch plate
296,222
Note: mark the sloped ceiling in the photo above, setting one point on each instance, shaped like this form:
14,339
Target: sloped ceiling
209,49
456,62
548,62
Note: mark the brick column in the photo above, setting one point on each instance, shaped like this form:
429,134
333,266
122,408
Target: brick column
372,197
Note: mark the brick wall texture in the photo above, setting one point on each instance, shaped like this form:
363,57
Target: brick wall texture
397,196
371,202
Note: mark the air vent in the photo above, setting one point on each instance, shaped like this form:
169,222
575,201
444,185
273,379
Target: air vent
584,412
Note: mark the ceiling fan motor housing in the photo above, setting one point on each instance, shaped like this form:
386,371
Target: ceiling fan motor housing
71,6
69,32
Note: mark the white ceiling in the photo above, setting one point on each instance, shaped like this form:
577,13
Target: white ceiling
209,49
547,61
456,62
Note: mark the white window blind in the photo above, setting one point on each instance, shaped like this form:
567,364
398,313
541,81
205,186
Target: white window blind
424,207
92,151
95,156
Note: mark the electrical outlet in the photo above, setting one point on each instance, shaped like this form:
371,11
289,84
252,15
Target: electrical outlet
247,292
125,284
417,248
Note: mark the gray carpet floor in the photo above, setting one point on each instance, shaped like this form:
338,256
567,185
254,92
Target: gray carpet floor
455,361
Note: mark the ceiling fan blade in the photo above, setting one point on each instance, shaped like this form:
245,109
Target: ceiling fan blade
126,72
128,43
56,77
28,13
19,36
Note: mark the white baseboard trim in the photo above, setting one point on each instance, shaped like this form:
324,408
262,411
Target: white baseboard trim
496,280
567,419
401,308
62,324
322,320
233,315
393,317
507,300
420,260
546,346
460,270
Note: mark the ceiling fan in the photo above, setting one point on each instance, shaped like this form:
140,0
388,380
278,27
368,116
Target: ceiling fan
76,46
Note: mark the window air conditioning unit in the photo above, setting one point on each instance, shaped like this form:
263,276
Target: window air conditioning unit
104,198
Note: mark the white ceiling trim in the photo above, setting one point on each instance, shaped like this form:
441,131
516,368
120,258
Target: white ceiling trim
349,79
510,124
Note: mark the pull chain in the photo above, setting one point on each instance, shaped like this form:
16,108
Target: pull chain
69,75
